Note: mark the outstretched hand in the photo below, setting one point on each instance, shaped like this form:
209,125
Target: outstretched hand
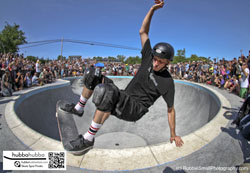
158,4
178,141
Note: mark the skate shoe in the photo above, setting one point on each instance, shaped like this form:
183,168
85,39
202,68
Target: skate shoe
79,146
71,109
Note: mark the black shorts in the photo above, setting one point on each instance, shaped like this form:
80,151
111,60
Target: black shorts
126,108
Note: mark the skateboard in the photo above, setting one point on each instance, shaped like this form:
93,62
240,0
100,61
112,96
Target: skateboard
66,125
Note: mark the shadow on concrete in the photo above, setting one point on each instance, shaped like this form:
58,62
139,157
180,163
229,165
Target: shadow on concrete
1,168
235,109
168,169
231,113
245,146
0,123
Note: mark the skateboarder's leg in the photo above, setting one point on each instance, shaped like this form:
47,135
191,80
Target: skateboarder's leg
96,124
105,97
90,80
82,144
86,94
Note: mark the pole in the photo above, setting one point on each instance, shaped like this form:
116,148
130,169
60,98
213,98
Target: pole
61,47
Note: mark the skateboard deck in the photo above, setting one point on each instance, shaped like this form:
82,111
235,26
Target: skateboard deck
66,124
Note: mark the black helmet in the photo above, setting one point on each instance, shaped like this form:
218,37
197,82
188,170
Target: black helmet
164,51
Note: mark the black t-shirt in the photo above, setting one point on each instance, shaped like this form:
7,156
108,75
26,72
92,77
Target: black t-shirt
234,69
248,62
147,86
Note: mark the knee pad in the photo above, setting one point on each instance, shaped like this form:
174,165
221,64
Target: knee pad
92,77
105,97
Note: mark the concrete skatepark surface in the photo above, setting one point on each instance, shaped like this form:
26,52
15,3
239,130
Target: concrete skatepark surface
38,112
195,107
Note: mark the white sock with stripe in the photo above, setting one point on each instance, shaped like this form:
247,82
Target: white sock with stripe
81,104
93,129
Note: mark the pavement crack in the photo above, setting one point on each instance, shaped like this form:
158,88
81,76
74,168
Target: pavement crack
154,155
16,126
207,141
35,141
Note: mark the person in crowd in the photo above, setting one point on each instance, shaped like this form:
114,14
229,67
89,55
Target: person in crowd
27,80
6,86
38,70
235,87
36,81
244,80
42,76
229,83
19,81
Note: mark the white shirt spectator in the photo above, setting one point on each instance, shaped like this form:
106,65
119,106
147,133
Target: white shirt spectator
28,82
38,67
187,67
185,76
244,80
34,80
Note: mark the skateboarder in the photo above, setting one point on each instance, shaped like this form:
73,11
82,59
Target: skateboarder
151,81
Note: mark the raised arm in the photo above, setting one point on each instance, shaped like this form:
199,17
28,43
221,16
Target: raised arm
147,20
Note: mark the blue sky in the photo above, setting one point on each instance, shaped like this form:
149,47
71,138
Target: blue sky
210,28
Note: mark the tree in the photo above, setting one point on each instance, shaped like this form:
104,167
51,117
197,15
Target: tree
121,58
32,58
181,53
180,56
133,60
10,38
111,58
59,57
194,58
42,60
98,58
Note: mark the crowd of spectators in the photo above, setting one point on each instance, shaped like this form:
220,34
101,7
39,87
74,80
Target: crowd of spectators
120,69
18,72
232,75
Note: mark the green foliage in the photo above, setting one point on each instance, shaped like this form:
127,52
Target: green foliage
197,58
32,58
98,58
181,53
43,61
181,57
111,58
194,57
59,57
133,60
121,58
10,38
